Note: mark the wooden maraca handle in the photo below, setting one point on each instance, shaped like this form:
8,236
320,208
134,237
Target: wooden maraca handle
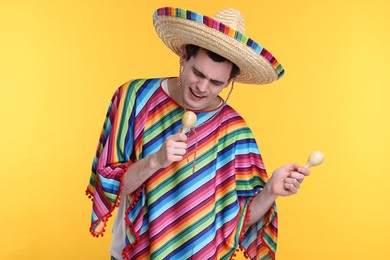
188,120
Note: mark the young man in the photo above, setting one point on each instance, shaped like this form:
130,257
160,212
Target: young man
201,194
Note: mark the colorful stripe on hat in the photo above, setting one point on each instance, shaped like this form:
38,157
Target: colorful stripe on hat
212,23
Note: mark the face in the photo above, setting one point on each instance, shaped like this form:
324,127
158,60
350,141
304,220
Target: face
202,81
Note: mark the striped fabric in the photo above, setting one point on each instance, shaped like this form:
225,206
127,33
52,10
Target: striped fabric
180,213
212,23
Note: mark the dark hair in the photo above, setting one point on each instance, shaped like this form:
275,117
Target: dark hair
192,51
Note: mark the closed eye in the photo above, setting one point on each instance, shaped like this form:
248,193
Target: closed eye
217,82
198,73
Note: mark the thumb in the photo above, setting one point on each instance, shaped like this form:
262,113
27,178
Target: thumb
179,136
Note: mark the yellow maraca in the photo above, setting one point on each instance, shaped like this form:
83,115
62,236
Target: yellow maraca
315,158
188,120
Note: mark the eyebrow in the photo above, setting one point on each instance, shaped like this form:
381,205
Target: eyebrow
214,81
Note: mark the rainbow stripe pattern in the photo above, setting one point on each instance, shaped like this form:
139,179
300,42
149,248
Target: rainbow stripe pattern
180,213
212,23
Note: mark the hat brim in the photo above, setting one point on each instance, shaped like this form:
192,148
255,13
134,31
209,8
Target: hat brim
178,27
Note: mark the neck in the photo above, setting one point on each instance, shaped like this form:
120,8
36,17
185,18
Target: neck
174,91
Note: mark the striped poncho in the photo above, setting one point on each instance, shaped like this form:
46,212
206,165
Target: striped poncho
181,213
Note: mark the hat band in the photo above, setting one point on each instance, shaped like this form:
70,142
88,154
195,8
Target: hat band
212,23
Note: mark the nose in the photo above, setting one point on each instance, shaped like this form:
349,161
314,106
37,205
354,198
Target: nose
202,85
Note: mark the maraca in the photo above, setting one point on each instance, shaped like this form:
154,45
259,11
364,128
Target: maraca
188,120
315,158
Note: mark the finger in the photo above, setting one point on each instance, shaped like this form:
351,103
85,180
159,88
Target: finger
172,145
302,170
181,137
177,137
291,167
179,145
297,175
178,151
291,188
175,158
294,182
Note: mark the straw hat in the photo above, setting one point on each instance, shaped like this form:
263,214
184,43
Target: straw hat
224,34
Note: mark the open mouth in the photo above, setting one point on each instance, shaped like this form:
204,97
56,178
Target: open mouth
196,95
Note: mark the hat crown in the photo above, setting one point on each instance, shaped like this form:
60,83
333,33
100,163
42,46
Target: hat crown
232,18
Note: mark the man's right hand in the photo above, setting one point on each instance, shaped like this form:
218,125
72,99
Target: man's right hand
172,150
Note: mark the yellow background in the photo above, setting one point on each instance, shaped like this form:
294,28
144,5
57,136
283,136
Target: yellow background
61,61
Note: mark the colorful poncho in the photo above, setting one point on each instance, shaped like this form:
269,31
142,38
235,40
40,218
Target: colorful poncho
180,213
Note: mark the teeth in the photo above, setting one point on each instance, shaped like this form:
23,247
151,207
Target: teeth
196,94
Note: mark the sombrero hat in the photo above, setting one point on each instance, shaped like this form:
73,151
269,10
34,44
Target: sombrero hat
224,34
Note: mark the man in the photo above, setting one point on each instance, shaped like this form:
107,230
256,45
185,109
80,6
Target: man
202,194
